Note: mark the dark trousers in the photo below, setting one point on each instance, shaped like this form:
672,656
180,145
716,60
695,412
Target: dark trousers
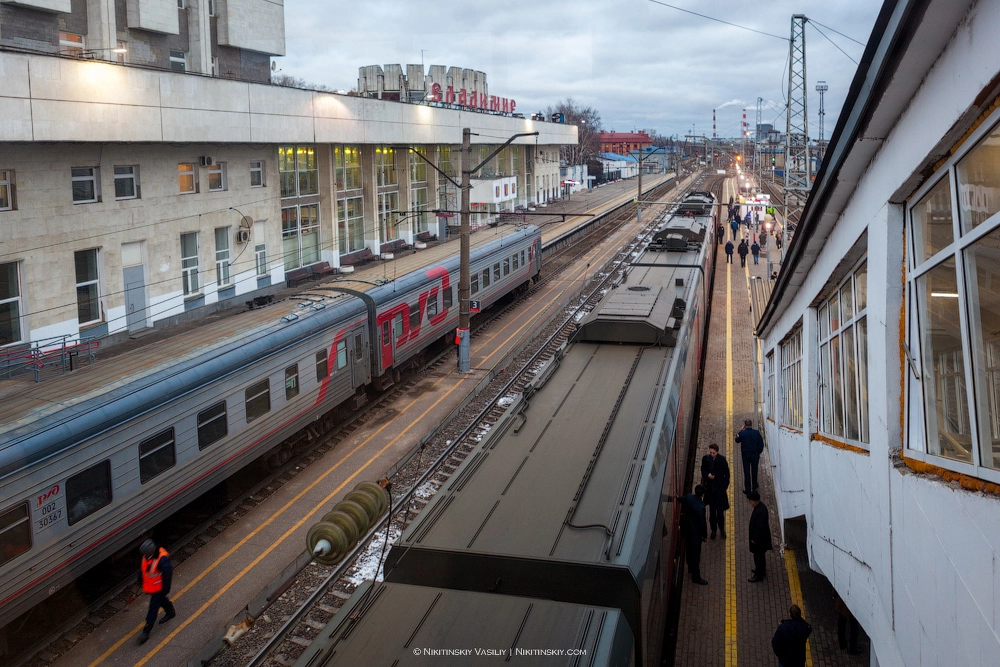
156,601
716,517
694,557
743,260
750,463
729,258
842,624
759,564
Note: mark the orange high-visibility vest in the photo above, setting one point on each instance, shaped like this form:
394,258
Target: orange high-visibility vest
152,578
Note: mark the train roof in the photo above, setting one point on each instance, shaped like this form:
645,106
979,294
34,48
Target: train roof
397,624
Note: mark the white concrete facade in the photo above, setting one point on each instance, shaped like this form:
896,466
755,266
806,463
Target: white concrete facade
910,540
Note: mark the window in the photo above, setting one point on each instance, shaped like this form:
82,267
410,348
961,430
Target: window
322,370
6,190
496,271
258,400
15,532
359,348
398,322
213,425
474,283
843,358
156,455
88,491
88,301
418,168
86,185
791,380
215,66
260,252
486,278
341,354
189,263
351,224
126,182
506,267
418,204
256,174
514,261
71,44
291,382
178,59
300,235
186,181
414,316
447,298
444,160
211,7
388,216
222,256
523,262
348,167
298,171
217,177
769,397
432,305
10,304
180,4
385,166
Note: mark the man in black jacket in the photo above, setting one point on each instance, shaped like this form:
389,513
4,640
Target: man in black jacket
743,249
751,447
789,641
715,479
760,537
693,528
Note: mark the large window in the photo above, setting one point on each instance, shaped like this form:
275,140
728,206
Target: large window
791,380
10,303
351,224
385,166
388,215
88,491
156,455
86,184
348,167
127,182
15,532
6,190
189,263
217,177
300,235
222,256
88,292
769,396
297,170
187,183
843,358
954,291
418,168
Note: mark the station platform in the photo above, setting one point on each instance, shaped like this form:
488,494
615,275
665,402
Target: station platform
730,621
212,586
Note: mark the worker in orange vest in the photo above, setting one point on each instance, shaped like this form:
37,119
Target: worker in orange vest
155,575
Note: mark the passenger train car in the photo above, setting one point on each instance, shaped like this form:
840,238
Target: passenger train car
85,473
559,531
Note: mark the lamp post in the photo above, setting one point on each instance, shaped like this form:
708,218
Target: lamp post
464,282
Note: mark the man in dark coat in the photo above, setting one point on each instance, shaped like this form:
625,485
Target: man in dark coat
789,641
715,479
760,537
693,528
743,249
735,226
755,251
751,447
729,252
720,233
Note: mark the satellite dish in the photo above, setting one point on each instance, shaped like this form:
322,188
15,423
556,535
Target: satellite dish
246,222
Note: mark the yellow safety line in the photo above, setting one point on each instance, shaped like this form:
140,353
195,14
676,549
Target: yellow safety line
730,646
270,519
795,590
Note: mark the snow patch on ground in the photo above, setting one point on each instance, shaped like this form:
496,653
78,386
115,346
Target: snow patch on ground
368,564
507,401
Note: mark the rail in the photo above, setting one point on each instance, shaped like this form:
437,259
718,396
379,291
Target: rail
60,352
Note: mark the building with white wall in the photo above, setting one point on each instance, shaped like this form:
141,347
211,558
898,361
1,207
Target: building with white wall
131,196
881,343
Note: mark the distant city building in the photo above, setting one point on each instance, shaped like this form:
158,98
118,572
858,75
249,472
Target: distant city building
441,86
624,142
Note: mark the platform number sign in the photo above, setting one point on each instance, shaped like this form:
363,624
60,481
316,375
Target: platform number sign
49,507
473,306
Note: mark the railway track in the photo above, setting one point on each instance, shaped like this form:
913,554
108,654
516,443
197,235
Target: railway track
290,625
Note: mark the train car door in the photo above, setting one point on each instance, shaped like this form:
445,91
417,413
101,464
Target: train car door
394,326
358,357
385,338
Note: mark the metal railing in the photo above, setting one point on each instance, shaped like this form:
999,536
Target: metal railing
62,353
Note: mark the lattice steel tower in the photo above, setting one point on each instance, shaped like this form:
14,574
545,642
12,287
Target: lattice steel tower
821,88
758,169
798,176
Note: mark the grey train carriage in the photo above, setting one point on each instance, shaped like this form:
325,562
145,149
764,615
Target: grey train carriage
82,479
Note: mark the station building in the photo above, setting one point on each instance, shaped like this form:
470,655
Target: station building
881,343
135,195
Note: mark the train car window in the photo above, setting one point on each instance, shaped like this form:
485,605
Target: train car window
291,382
496,271
342,354
322,371
432,305
446,295
258,400
386,333
414,316
15,532
88,491
359,347
475,283
486,278
514,260
523,262
399,325
156,455
506,267
212,425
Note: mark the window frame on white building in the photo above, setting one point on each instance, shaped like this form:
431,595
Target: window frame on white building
301,245
7,184
789,355
178,60
217,177
191,173
91,285
257,168
14,298
190,284
223,277
127,177
72,44
94,178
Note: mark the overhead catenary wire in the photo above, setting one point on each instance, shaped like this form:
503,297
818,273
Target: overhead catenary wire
712,18
827,38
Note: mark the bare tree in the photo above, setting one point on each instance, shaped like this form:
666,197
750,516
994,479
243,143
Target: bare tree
588,123
289,81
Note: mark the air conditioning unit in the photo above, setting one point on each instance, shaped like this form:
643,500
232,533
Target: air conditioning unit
243,236
207,161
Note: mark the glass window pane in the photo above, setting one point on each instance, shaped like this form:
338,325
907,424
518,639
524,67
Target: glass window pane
341,354
15,532
836,380
83,190
87,303
850,385
258,400
86,265
943,372
847,301
862,333
932,224
834,314
861,287
321,368
189,245
824,322
982,262
826,404
156,455
10,323
979,182
291,382
212,425
88,491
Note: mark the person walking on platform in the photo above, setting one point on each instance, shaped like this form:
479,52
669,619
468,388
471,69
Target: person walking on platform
155,576
844,619
743,250
755,251
693,528
751,447
789,641
760,537
735,226
715,479
729,252
720,233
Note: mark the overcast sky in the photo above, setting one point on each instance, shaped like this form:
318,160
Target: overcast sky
641,65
